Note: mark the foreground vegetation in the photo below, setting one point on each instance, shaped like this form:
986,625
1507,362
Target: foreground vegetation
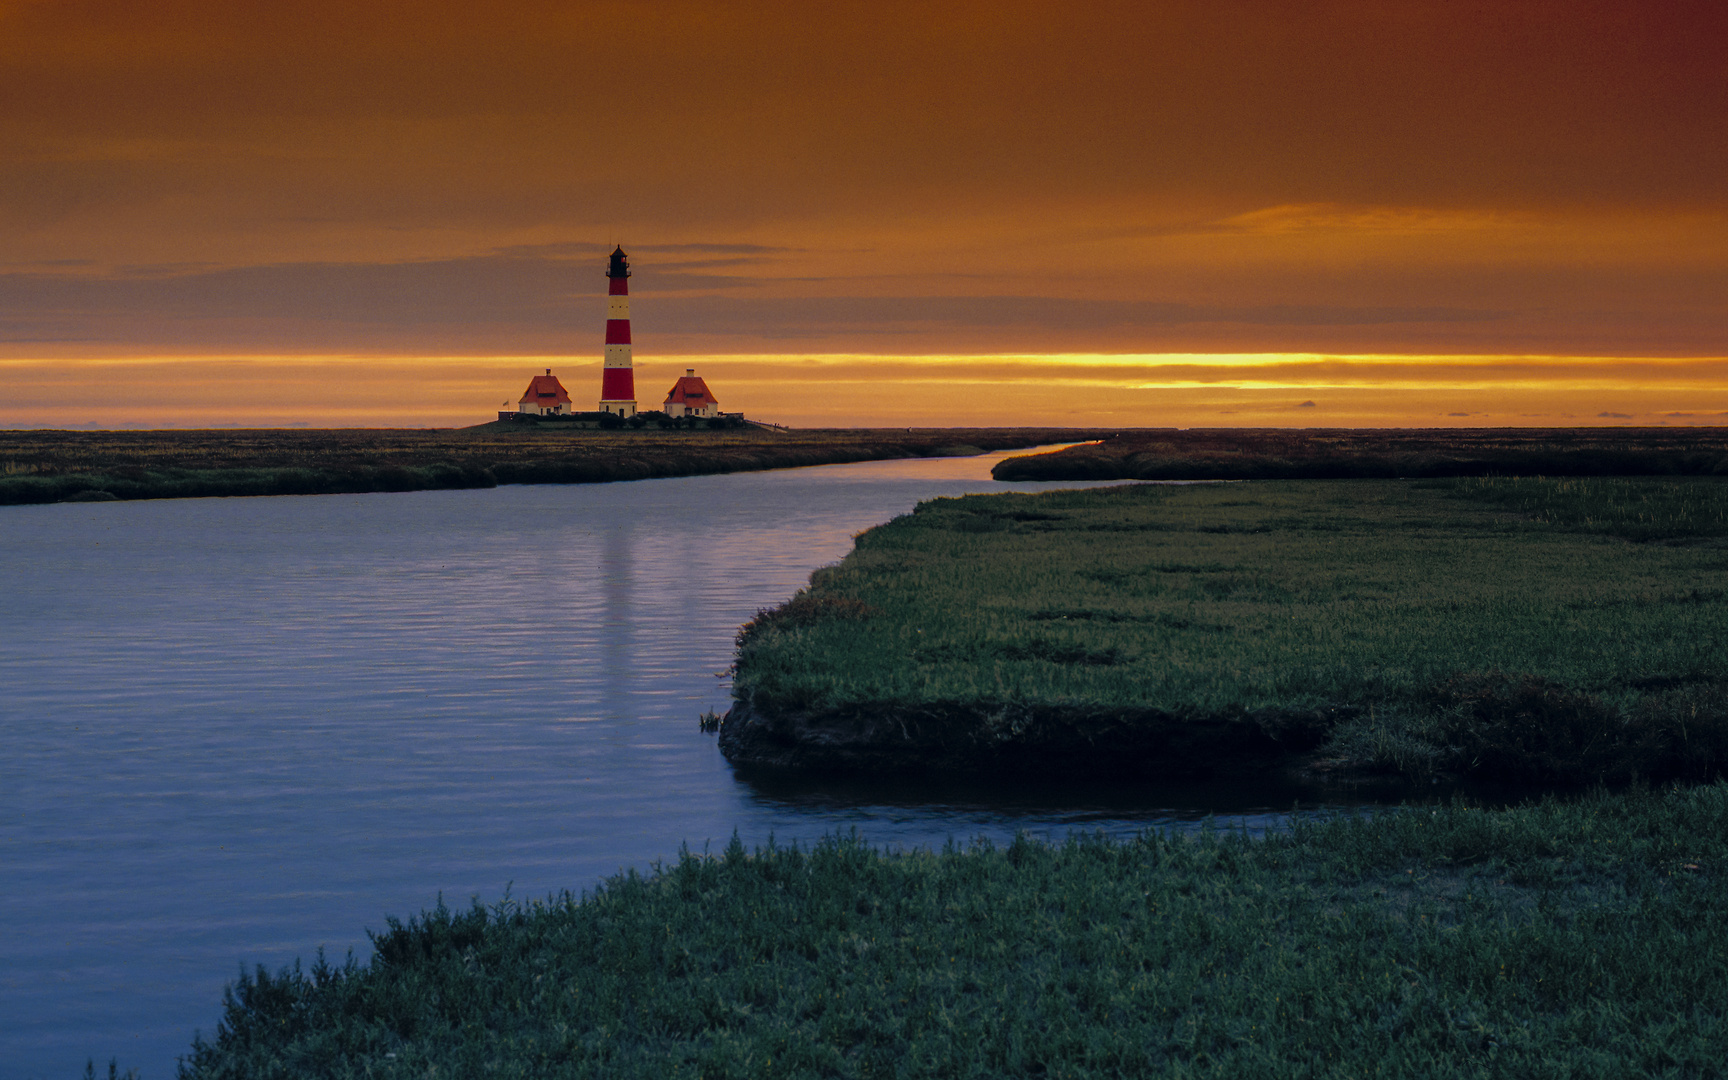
1322,454
1584,938
1556,631
59,466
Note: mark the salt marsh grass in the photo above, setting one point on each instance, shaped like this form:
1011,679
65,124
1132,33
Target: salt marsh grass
1333,454
61,466
1581,938
1634,509
1450,625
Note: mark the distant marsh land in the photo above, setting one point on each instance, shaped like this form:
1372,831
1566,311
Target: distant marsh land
57,466
1580,938
1551,631
1322,454
60,466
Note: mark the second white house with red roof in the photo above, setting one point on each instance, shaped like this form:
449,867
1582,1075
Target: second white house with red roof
545,396
690,396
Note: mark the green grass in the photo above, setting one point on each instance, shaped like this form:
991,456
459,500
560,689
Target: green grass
1627,508
1557,629
1321,454
1541,621
179,483
1563,939
67,466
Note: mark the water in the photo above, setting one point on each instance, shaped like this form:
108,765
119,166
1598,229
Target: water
236,730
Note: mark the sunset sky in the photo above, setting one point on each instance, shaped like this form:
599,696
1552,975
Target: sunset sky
1197,214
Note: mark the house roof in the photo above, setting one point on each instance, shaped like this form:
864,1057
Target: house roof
692,392
545,390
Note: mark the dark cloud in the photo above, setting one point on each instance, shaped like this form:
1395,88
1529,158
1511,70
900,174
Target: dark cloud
548,298
518,299
567,249
585,249
406,166
532,293
910,314
784,103
721,249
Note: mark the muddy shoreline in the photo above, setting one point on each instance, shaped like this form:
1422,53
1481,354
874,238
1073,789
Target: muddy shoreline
1053,741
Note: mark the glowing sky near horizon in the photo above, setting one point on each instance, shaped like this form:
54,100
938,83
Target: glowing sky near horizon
1182,212
1194,390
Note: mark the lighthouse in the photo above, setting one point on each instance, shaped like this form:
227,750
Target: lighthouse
617,380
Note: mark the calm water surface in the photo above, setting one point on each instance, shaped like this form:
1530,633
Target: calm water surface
236,730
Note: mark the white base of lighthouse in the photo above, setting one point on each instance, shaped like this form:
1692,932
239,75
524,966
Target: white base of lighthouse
622,408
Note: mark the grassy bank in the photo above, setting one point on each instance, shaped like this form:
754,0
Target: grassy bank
58,466
1562,939
1567,631
1320,454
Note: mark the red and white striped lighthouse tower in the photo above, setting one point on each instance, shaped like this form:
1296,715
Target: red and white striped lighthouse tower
617,380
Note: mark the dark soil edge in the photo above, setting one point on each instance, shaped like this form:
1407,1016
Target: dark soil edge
1045,740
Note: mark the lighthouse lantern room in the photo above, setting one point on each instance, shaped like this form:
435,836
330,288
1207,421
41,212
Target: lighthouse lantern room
617,380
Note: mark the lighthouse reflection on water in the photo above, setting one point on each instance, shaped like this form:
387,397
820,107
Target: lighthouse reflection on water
617,583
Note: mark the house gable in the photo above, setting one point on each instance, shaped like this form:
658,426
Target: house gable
545,394
691,396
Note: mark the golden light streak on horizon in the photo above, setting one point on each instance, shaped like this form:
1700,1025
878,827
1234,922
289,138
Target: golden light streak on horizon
853,389
845,358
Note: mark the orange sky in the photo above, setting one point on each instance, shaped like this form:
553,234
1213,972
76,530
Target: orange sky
334,187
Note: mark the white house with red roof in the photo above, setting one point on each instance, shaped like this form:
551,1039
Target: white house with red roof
545,396
690,396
